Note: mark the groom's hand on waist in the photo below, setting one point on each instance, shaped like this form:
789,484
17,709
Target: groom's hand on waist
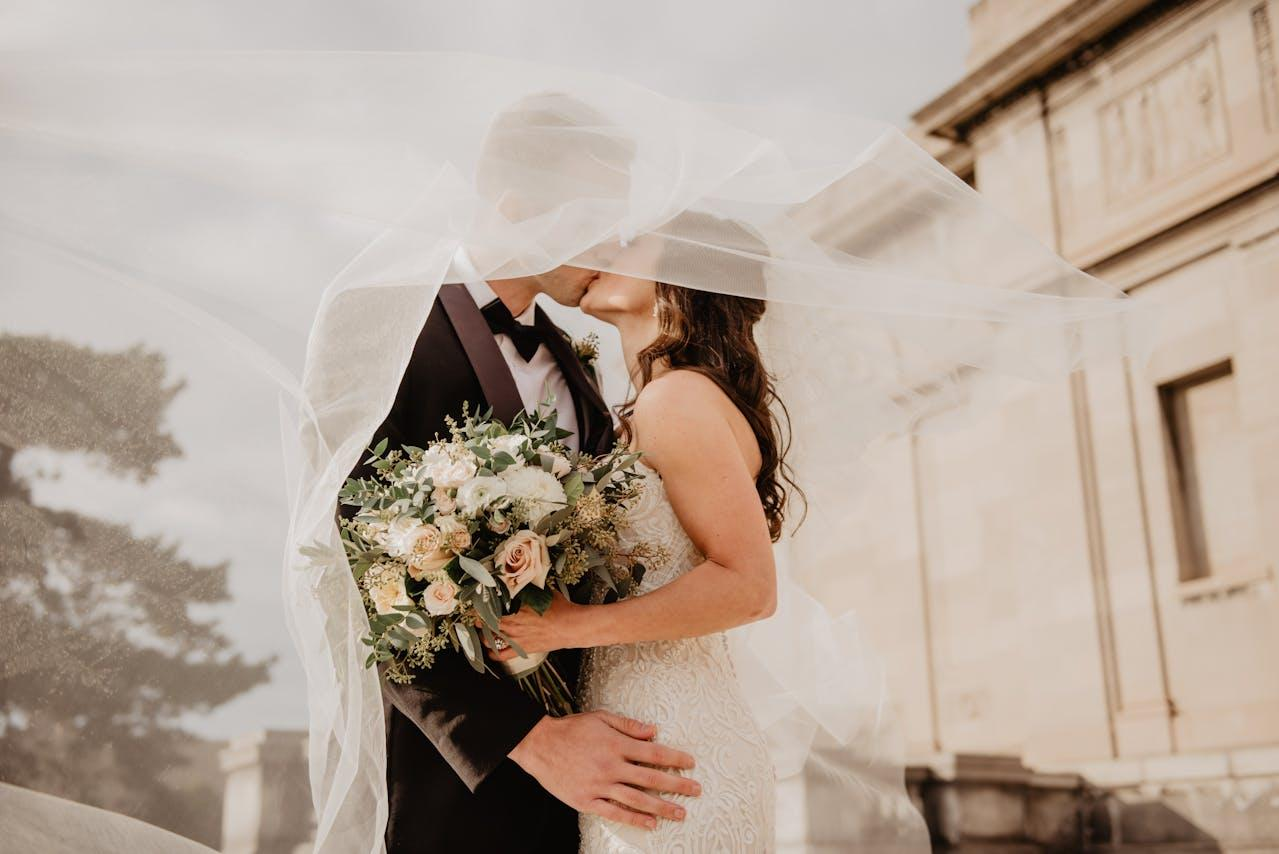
597,762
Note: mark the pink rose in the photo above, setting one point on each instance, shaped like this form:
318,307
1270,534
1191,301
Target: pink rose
523,559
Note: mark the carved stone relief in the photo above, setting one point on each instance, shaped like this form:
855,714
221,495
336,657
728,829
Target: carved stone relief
1162,129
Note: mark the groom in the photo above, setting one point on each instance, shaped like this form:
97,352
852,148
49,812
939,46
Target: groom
473,763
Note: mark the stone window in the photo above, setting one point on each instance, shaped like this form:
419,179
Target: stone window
1209,474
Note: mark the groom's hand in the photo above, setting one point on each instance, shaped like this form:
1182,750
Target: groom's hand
596,762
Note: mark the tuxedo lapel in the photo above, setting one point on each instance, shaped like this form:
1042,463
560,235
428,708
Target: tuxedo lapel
593,418
482,352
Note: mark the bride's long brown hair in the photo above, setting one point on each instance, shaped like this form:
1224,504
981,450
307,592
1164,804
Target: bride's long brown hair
714,335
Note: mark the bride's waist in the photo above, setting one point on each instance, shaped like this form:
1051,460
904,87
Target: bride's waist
708,653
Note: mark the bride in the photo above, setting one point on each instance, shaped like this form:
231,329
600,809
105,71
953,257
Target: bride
706,419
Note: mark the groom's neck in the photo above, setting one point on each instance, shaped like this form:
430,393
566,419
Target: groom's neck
516,294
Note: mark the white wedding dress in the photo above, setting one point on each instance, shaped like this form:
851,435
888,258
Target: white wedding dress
689,690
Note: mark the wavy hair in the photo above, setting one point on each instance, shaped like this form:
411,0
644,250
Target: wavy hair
714,334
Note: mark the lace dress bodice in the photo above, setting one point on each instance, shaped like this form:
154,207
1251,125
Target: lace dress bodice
689,690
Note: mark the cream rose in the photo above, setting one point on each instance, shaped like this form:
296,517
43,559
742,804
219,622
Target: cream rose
440,597
389,593
444,502
522,560
428,551
454,535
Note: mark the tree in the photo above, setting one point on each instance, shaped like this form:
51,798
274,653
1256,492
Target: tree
101,651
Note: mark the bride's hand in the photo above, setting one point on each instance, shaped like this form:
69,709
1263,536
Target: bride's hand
540,633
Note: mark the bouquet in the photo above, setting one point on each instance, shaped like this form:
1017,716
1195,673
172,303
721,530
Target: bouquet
493,519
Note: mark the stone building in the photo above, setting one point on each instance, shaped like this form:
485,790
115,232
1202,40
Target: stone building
1078,593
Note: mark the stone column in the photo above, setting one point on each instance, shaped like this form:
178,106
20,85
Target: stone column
266,806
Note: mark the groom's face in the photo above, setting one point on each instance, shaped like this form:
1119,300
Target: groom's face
566,285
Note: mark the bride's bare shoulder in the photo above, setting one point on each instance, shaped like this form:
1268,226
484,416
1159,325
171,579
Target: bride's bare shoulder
680,404
680,391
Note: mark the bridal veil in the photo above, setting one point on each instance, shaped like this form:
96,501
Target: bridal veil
296,212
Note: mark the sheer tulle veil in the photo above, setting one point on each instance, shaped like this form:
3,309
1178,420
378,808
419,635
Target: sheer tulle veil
301,209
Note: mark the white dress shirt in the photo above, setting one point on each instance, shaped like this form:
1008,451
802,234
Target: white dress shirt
540,376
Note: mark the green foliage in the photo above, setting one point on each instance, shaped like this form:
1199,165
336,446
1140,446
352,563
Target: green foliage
104,647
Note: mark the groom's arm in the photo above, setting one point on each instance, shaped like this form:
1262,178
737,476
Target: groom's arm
474,719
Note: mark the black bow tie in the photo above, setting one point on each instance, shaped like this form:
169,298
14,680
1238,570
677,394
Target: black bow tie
527,338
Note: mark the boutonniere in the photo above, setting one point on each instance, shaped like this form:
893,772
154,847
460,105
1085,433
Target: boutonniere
587,350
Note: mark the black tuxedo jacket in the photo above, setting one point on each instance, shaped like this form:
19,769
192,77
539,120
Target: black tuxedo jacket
450,783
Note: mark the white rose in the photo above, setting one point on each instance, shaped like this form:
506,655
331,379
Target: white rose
432,459
453,474
377,531
445,465
522,560
541,490
440,597
400,535
560,466
513,445
437,455
479,492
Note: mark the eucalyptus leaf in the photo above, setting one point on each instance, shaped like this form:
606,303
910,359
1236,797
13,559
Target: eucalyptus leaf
573,487
471,647
602,571
476,570
485,609
550,520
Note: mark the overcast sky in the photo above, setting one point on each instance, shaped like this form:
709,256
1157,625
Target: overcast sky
879,57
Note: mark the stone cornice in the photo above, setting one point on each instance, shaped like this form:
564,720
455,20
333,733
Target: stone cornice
1035,54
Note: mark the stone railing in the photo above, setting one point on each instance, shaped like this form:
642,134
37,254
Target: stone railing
1227,801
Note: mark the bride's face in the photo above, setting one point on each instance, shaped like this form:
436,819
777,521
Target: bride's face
613,297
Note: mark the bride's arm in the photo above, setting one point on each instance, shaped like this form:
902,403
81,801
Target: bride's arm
682,424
